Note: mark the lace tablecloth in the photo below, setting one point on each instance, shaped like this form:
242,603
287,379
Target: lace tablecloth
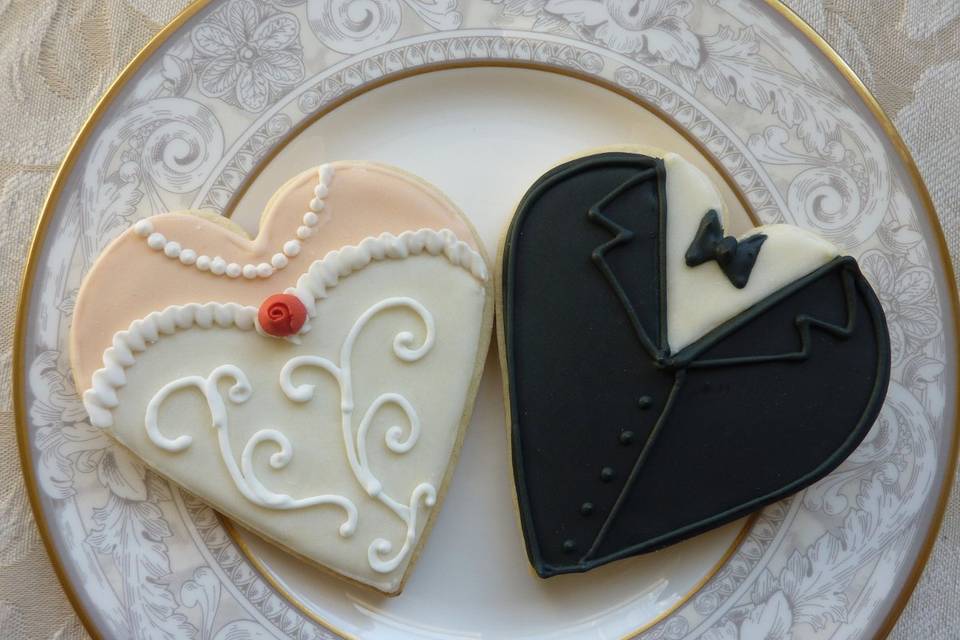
58,56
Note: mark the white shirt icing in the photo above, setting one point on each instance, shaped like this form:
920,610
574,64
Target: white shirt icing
701,298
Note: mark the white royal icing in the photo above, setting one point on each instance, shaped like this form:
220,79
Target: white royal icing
701,298
218,266
102,400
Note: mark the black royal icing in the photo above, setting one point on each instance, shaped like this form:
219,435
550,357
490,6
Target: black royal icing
760,407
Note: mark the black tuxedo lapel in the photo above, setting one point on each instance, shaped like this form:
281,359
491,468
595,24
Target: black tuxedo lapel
632,260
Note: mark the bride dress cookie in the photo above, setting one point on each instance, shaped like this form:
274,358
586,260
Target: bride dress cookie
312,383
664,377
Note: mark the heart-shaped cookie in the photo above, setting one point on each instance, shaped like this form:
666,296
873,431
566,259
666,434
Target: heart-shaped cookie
312,383
665,378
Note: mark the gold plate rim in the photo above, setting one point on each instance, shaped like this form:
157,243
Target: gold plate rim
52,198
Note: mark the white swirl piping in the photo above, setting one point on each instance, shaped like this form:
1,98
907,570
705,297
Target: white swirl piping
244,477
356,446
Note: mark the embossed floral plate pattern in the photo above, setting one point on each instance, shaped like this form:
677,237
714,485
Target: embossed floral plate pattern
228,85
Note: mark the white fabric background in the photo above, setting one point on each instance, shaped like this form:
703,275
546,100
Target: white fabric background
58,56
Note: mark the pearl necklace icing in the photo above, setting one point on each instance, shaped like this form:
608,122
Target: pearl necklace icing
220,267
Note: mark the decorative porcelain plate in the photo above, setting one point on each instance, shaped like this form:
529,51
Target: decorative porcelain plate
479,99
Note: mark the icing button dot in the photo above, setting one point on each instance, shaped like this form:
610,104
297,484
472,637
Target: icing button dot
304,232
172,249
203,263
279,261
310,219
188,256
156,241
569,546
607,474
586,509
234,270
264,270
626,438
218,266
644,402
291,248
249,271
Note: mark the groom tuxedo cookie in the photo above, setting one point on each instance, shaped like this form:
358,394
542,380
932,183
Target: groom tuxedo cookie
665,378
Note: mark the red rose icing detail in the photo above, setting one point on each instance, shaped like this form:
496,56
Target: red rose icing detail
282,315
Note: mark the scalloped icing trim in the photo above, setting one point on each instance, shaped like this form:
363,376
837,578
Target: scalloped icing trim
324,274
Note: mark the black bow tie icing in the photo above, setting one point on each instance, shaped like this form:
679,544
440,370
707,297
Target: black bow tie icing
736,258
